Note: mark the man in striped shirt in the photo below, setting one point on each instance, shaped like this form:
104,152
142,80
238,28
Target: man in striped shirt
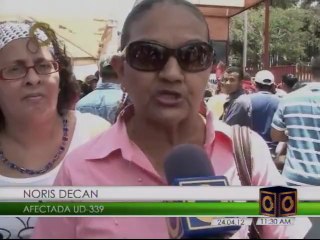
297,122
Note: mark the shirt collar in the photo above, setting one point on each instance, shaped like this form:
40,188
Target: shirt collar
100,149
103,85
265,92
314,85
236,94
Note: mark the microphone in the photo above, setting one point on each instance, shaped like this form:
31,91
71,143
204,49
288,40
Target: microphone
189,165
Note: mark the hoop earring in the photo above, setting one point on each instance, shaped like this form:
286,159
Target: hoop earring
123,89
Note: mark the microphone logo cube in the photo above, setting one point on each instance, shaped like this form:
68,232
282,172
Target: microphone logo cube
278,201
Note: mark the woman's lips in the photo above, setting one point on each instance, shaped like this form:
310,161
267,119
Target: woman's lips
36,97
168,98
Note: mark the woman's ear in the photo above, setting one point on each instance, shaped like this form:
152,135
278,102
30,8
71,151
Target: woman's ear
117,65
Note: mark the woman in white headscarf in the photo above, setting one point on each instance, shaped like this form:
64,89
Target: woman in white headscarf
37,130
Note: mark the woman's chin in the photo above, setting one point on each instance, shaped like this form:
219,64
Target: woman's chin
169,116
37,111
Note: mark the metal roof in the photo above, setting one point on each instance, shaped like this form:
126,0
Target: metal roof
223,8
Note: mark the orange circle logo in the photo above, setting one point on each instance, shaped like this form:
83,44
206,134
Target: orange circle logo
264,204
284,201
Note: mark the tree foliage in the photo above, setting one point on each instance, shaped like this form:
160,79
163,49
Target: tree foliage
309,3
284,3
294,35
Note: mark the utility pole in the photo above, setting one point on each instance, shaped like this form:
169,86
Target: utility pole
266,58
245,41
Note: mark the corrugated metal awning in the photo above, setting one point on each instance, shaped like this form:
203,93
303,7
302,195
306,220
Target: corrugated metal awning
223,8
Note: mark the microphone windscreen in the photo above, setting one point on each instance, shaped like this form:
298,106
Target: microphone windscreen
187,161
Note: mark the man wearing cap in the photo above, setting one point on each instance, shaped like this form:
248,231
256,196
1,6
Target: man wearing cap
105,99
92,82
264,104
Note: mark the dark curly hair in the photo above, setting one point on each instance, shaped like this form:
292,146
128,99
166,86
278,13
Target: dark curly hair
67,87
290,80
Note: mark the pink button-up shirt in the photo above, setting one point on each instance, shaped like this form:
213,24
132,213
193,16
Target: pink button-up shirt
112,159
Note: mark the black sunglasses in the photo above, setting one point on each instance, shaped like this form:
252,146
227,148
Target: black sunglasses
149,57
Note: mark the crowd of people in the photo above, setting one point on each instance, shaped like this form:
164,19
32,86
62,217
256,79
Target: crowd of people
291,131
105,98
140,104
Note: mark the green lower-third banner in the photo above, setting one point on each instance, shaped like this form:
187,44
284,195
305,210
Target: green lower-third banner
144,209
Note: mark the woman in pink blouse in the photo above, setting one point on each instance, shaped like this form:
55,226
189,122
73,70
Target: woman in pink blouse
164,68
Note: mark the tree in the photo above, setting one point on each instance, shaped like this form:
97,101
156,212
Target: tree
309,3
255,36
294,35
288,37
312,29
284,4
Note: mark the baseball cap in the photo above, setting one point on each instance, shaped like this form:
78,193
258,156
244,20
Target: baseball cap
105,61
105,67
265,77
91,78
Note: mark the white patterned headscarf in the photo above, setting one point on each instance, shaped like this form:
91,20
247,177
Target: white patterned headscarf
10,31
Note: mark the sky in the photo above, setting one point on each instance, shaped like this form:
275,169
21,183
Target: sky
106,9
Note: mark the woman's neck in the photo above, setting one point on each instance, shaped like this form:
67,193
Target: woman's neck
157,140
34,131
191,130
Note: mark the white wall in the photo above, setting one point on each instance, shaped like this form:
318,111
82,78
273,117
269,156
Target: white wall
81,72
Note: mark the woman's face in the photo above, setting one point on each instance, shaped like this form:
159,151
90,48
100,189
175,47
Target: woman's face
171,94
33,94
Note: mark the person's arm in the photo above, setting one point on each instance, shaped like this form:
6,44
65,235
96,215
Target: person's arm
265,173
58,227
278,135
278,125
281,152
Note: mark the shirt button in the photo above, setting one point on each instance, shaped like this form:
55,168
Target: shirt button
140,180
116,222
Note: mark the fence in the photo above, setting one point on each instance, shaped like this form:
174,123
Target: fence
303,72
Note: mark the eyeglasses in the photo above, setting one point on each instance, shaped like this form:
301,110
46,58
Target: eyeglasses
150,57
18,71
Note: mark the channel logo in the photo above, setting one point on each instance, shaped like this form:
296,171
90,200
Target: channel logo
278,201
